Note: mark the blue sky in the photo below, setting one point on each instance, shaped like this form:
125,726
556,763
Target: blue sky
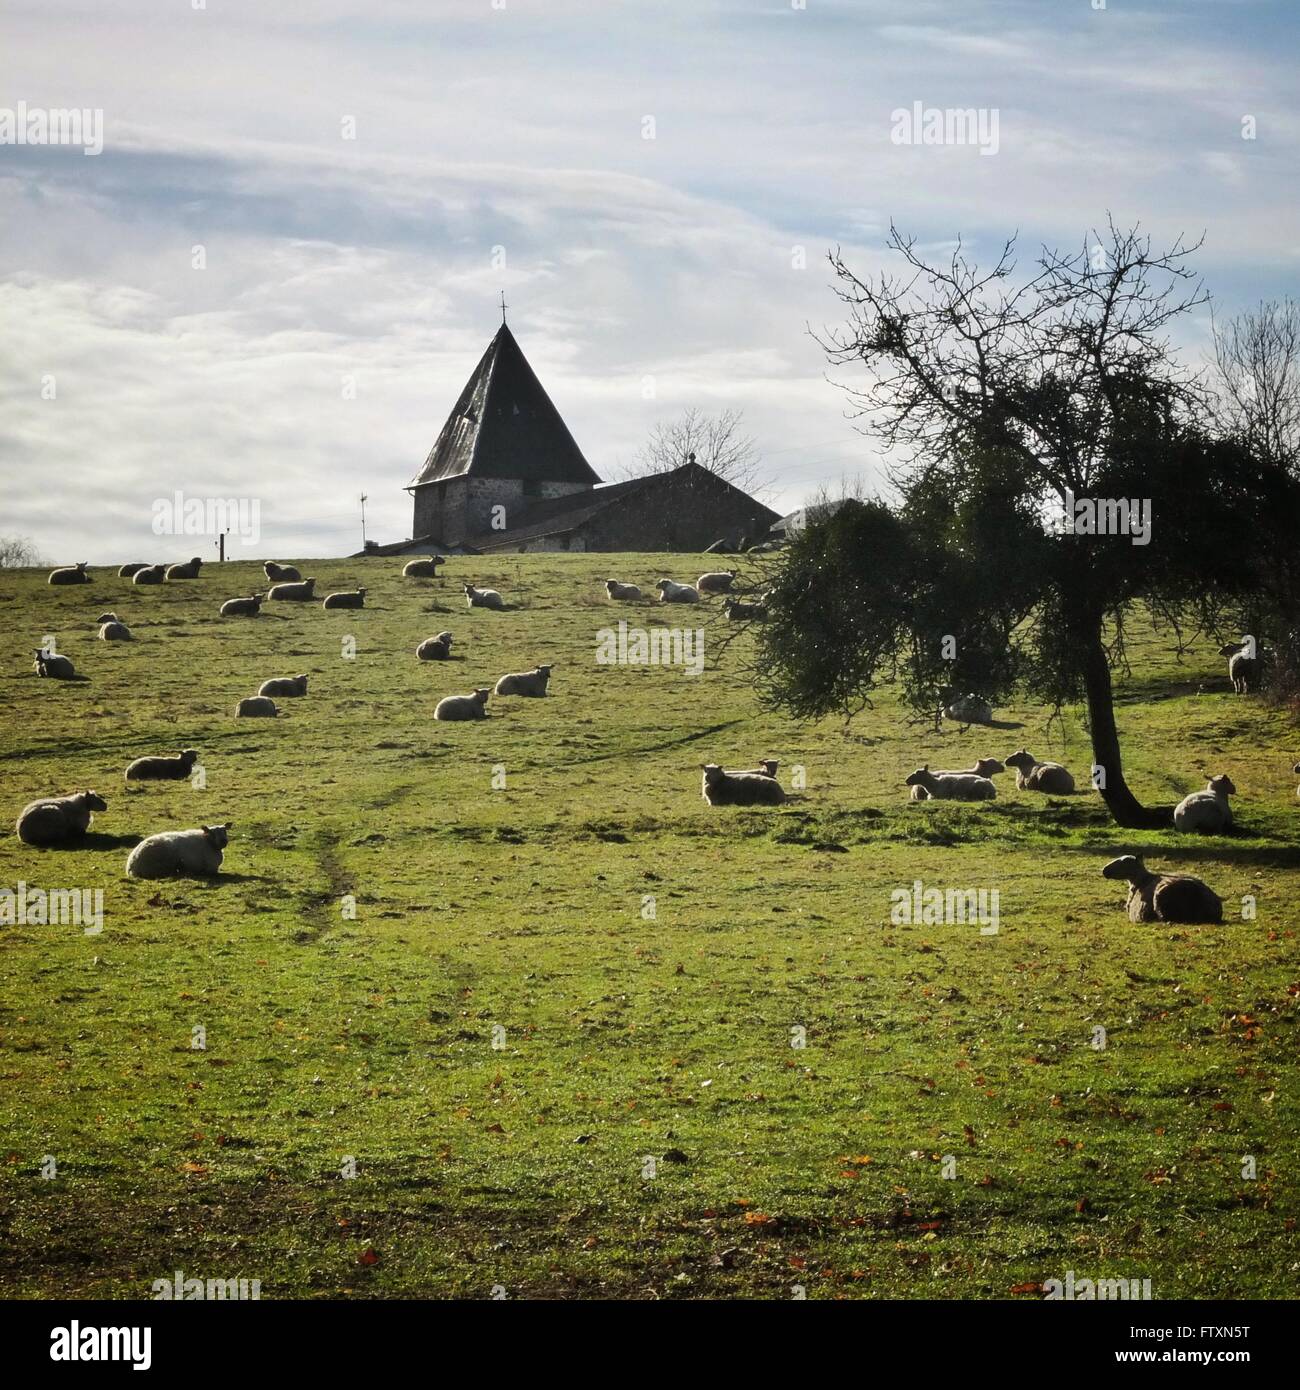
644,276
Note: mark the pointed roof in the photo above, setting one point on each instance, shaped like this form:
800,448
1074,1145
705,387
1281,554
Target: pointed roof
504,426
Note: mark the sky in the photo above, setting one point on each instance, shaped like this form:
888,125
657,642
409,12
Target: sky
276,276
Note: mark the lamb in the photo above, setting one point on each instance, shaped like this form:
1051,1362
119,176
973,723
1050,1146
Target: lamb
1243,670
473,706
740,788
716,581
187,569
967,709
953,786
1033,776
256,707
525,682
669,592
112,628
162,768
71,574
423,569
129,571
483,598
1164,897
54,820
179,852
284,686
626,593
347,598
299,592
150,574
248,607
435,648
59,668
984,767
278,573
1207,811
738,612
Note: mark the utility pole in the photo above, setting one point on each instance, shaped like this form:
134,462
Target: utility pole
363,521
221,546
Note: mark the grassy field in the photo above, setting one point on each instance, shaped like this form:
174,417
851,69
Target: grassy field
642,1126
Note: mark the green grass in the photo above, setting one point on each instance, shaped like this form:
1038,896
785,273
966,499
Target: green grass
521,1166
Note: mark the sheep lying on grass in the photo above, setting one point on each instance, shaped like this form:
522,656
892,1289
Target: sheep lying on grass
423,569
280,574
1243,670
149,574
347,598
740,788
985,767
1164,897
472,706
968,709
71,574
625,593
1032,776
186,569
256,707
670,592
284,686
300,591
483,598
739,612
112,628
435,648
162,768
54,820
131,570
1206,811
179,852
716,581
532,682
248,607
53,666
952,786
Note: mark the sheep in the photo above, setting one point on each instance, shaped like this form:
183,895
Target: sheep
423,569
625,593
953,786
256,707
112,628
284,686
669,592
187,569
59,668
1207,811
71,574
298,592
472,706
347,598
248,607
483,598
54,820
150,574
1164,897
279,573
968,709
131,570
984,767
716,581
721,788
1033,776
179,852
738,612
1296,769
1243,670
525,682
435,648
162,768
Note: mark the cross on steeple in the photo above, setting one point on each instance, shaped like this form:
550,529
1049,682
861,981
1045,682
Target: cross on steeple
503,306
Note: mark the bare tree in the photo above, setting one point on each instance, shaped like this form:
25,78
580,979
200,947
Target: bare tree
18,552
1258,359
715,442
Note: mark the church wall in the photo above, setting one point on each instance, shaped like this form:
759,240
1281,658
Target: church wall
440,511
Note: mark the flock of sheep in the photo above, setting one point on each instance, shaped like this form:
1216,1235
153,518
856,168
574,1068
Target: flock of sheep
62,819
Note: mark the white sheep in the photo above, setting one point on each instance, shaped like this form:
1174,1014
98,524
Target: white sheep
721,788
277,574
59,668
186,569
525,682
299,591
1243,670
284,686
347,598
150,574
483,598
112,628
71,574
716,581
624,593
435,648
54,820
1206,811
162,768
423,569
984,767
131,570
952,786
738,611
1032,776
473,706
256,707
670,592
1164,897
180,852
969,709
248,607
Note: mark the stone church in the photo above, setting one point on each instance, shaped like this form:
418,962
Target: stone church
505,474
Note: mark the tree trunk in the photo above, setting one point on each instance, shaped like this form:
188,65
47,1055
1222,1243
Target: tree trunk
1123,806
